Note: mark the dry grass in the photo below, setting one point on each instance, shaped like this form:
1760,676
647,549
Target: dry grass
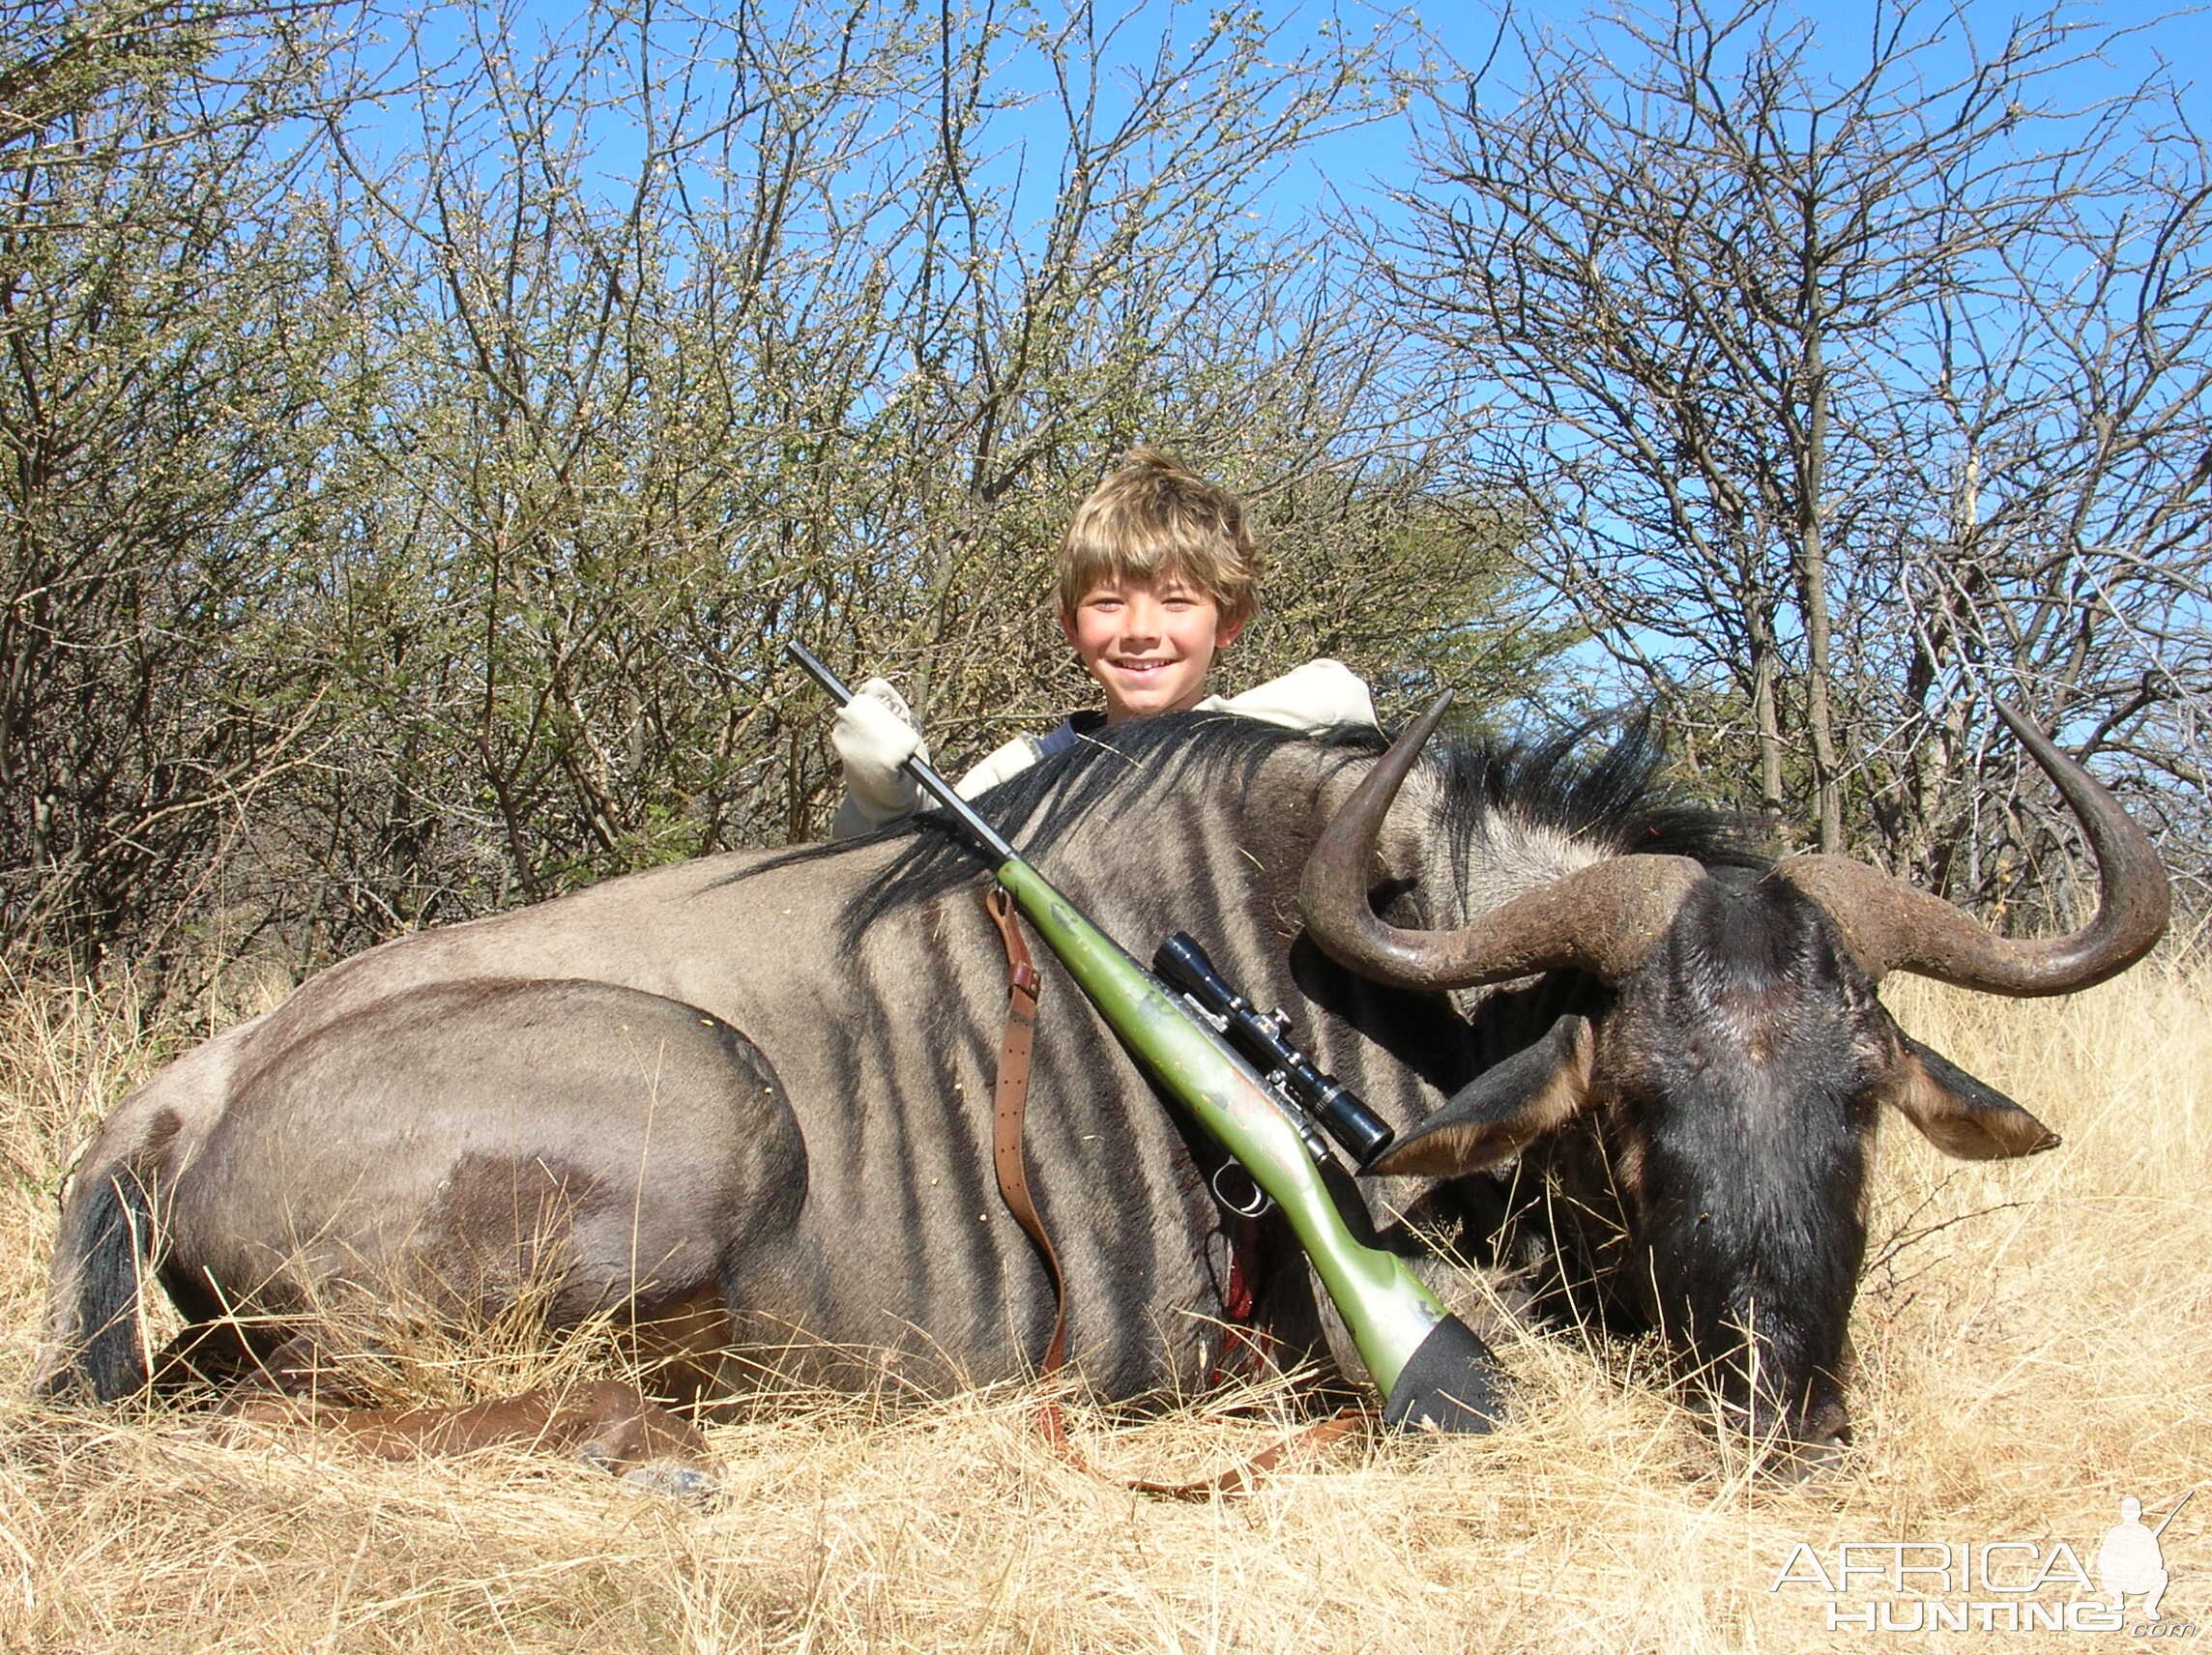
2035,1341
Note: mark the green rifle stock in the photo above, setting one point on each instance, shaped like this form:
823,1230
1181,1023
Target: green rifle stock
1431,1370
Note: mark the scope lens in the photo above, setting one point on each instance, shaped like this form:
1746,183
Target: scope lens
1363,1134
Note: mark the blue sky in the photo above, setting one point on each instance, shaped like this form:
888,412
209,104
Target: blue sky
1447,41
2136,37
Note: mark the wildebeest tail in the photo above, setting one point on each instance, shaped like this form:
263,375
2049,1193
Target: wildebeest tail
106,1246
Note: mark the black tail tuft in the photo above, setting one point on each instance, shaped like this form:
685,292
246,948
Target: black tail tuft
109,1235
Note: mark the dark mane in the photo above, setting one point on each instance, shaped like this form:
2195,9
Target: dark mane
1614,798
1113,771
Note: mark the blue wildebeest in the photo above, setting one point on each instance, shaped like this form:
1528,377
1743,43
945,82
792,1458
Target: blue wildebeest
747,1098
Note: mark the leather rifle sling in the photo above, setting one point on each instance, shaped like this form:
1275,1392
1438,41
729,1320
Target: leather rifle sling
1009,1160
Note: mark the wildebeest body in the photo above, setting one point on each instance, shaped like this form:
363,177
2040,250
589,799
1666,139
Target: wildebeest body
573,1077
761,1083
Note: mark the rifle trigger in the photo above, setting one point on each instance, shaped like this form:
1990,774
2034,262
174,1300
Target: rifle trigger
1256,1202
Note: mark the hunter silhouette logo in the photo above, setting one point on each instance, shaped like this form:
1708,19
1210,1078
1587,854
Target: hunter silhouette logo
2131,1560
1996,1585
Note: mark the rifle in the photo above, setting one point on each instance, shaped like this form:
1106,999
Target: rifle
1430,1367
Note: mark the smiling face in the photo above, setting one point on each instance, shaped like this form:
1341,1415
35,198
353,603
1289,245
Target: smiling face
1148,643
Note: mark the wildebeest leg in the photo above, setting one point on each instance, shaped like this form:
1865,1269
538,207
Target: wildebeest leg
206,1355
603,1422
222,1352
311,1366
583,1151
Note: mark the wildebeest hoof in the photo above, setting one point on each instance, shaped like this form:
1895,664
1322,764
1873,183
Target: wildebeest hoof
601,1455
674,1481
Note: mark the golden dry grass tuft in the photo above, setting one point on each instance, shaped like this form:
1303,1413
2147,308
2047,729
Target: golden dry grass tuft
2035,1341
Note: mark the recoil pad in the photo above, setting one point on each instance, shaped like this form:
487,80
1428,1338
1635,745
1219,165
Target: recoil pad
1450,1383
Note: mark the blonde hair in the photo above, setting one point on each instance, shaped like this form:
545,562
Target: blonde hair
1155,519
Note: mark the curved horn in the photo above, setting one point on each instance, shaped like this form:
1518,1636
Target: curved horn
1603,919
1892,926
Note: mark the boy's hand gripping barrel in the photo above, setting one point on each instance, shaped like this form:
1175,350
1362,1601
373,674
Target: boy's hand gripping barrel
1431,1369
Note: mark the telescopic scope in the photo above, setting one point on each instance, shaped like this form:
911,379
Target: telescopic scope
1342,1112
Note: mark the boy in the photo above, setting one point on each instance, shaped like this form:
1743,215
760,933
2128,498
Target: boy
1158,574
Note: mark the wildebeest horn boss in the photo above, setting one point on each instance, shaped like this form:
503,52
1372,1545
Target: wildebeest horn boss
745,1102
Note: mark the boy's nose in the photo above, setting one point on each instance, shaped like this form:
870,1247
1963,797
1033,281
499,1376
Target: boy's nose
1141,620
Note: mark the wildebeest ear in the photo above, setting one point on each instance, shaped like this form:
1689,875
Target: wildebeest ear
1960,1115
1501,1111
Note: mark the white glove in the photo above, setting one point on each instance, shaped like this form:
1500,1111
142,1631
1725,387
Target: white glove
874,734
